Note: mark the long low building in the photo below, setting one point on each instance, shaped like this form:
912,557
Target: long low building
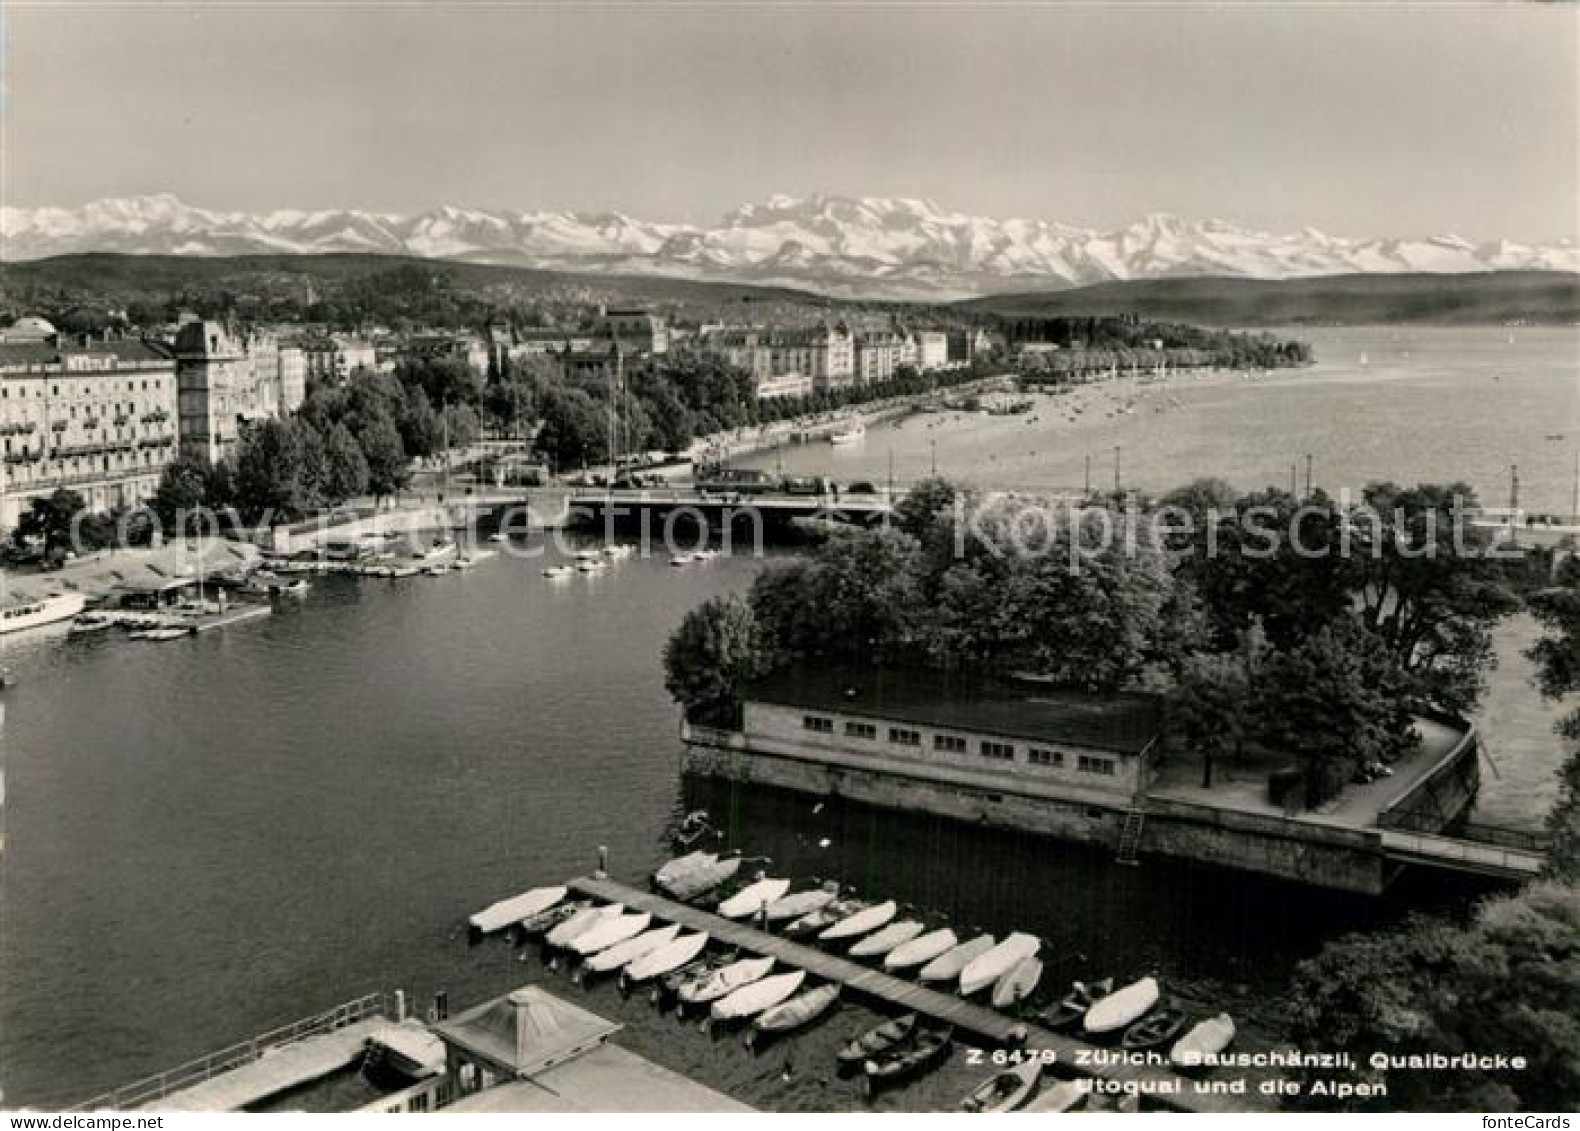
1021,754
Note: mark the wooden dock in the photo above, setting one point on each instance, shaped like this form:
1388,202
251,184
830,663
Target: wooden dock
1157,1083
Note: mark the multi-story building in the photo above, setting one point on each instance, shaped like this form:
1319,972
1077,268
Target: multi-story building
637,331
932,350
332,358
879,355
228,377
96,417
789,362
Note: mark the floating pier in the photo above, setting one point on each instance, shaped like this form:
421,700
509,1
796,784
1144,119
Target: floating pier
1158,1084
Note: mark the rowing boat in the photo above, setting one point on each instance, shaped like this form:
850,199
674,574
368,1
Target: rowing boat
1122,1007
700,881
797,904
1066,1095
1073,1006
1205,1038
1016,985
988,967
671,956
753,898
947,966
680,865
758,996
1007,1090
887,939
909,1058
1157,1028
582,921
613,930
622,954
923,948
877,1040
545,921
803,1009
498,916
725,980
825,916
868,919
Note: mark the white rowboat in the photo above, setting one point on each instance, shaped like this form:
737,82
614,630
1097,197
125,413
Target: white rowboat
923,948
1122,1007
633,948
753,999
671,956
798,904
582,921
753,898
725,980
887,939
1015,986
947,966
988,967
611,931
498,916
861,922
1205,1038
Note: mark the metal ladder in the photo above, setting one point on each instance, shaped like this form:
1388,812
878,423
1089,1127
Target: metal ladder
1130,836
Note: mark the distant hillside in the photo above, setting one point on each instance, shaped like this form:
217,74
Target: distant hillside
375,285
1489,297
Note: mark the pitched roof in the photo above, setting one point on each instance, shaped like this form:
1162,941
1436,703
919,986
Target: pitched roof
526,1031
1019,708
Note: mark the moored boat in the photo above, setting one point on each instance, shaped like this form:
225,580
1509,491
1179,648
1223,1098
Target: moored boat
1121,1008
925,1048
1017,983
725,980
614,957
1157,1028
700,881
753,898
988,967
800,903
921,949
1073,1006
1066,1095
825,916
881,942
615,929
21,613
680,865
545,921
877,1040
1204,1039
848,435
567,931
868,919
559,572
796,1012
671,956
947,966
498,916
1007,1090
758,996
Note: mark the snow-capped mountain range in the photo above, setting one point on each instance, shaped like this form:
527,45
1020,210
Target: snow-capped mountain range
869,246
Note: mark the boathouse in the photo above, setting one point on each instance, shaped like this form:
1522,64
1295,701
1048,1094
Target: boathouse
1021,754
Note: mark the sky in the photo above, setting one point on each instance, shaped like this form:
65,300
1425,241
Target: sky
1359,119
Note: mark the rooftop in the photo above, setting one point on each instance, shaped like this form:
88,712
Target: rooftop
1124,723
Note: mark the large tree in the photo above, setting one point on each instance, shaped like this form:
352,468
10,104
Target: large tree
710,658
1336,701
52,520
389,468
1212,703
183,494
345,467
272,472
1506,983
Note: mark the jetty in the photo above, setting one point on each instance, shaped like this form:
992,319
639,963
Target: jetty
1156,1083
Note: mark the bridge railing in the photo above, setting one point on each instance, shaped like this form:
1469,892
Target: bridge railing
1429,846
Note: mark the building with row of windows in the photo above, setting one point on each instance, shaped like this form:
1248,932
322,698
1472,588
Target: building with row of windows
98,417
799,361
228,378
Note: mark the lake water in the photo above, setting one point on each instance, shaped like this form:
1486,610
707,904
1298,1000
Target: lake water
213,836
